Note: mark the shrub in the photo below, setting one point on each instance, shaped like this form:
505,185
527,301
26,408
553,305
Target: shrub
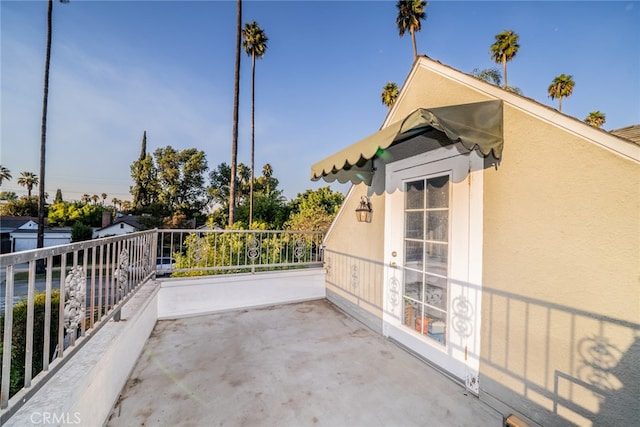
18,342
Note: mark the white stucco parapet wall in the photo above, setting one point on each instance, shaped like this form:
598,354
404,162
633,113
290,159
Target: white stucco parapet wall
210,294
85,389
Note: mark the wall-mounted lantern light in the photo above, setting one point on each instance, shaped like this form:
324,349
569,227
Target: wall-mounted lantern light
363,212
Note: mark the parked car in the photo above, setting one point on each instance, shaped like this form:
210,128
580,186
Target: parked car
164,266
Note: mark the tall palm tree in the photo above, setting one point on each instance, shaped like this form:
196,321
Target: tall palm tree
236,96
5,174
104,198
255,44
28,180
389,94
504,49
595,119
43,131
561,87
410,12
86,199
95,199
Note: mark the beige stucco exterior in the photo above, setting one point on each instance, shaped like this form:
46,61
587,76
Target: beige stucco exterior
560,256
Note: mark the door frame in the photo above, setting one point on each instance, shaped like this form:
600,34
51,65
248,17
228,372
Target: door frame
460,356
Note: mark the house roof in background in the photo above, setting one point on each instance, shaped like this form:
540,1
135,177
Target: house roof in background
10,223
631,133
130,220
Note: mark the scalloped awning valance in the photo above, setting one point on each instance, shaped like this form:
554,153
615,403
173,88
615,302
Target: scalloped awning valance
477,125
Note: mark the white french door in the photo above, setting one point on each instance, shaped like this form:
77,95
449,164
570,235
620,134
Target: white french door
433,254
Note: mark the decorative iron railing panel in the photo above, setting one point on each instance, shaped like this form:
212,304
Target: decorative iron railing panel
53,299
201,252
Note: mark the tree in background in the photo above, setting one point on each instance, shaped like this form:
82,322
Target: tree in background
504,49
28,180
86,199
236,104
8,195
95,199
595,119
255,44
80,232
5,174
104,198
64,214
314,210
561,87
389,94
144,175
181,180
265,188
43,132
58,196
23,206
493,75
410,13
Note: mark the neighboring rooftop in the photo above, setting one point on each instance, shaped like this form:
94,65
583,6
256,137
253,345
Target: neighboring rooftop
287,365
631,133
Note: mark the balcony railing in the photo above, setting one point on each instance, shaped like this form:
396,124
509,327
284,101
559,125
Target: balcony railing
55,299
192,253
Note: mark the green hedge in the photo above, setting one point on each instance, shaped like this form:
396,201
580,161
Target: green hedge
18,348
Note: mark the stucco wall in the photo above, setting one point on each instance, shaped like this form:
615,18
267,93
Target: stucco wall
561,275
561,258
354,258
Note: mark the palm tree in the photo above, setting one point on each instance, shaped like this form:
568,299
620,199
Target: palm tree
561,87
255,44
86,199
489,75
28,180
595,119
493,75
104,198
43,130
5,174
504,49
95,199
267,172
389,94
236,96
410,12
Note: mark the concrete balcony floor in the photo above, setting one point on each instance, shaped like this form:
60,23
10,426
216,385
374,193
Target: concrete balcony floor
287,365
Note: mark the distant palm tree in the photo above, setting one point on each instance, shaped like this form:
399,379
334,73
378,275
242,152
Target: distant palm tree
561,87
86,199
493,75
389,94
504,49
267,172
489,75
104,198
28,180
236,103
595,119
255,44
410,12
95,199
5,174
43,131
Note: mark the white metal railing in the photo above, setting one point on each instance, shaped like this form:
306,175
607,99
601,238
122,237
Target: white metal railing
199,252
55,298
60,296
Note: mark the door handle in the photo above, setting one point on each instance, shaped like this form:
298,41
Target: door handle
393,264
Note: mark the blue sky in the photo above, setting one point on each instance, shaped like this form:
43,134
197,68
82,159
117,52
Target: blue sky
122,67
